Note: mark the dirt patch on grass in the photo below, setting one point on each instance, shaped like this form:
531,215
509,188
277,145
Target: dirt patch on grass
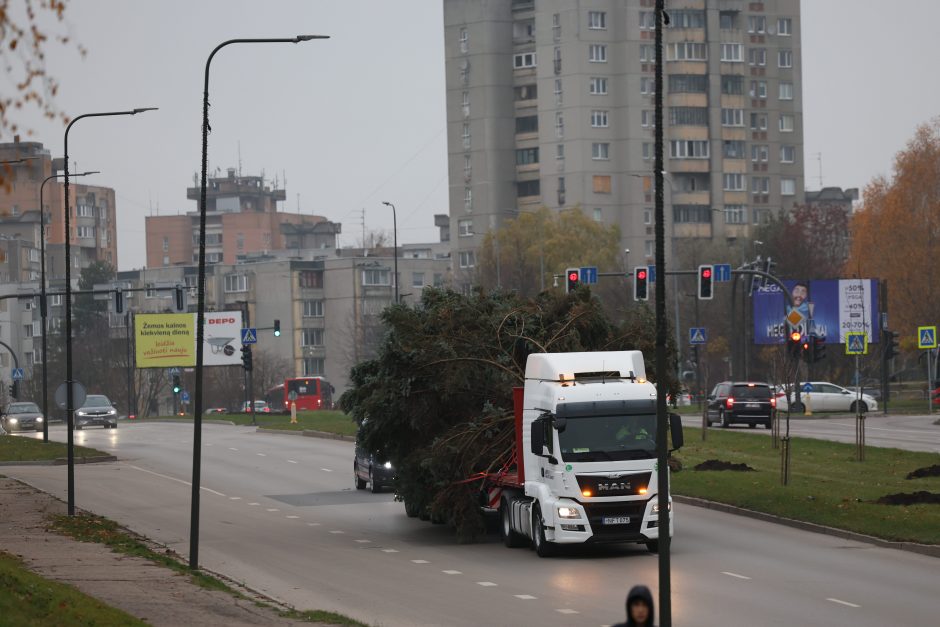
717,464
910,498
929,471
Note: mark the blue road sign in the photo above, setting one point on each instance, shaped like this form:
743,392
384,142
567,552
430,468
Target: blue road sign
172,371
589,274
927,337
249,335
18,374
807,387
184,396
697,335
856,343
722,272
652,272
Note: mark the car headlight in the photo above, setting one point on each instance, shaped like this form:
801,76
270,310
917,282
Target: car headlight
656,507
81,413
13,421
39,419
564,511
388,465
111,412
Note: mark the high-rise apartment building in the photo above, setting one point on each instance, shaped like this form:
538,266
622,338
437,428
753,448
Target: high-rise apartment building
550,103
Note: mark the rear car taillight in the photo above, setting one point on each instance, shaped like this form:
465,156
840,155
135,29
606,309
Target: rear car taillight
773,401
730,402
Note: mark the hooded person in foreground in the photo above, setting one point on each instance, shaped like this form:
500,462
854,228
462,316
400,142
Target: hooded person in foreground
640,610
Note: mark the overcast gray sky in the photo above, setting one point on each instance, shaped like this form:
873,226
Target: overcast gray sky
360,118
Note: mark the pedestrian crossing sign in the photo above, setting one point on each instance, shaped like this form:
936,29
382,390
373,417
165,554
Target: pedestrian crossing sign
927,337
856,343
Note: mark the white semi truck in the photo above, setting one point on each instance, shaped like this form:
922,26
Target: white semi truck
584,468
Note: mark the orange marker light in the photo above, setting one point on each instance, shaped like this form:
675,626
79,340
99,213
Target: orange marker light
586,493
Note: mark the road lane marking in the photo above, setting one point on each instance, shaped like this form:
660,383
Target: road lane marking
157,474
290,461
363,541
326,470
313,524
525,597
254,503
234,498
273,509
390,550
232,449
843,602
260,454
420,562
486,584
566,610
724,572
451,572
337,531
212,491
292,516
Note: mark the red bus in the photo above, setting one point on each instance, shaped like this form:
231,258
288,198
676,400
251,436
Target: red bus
309,393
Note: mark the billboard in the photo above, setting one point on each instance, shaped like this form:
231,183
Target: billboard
168,340
829,308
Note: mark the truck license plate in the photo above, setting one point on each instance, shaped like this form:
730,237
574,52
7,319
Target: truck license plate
616,520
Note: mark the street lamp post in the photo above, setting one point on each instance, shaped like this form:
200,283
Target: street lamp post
201,290
395,245
43,305
70,392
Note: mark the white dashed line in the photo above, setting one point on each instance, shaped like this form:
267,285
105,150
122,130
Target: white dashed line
313,524
232,449
566,610
234,498
451,572
254,503
292,516
485,584
390,550
525,597
420,562
326,470
843,602
157,474
213,491
273,509
337,531
363,541
260,454
724,572
290,461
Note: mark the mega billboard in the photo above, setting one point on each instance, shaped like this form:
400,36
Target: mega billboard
168,340
829,308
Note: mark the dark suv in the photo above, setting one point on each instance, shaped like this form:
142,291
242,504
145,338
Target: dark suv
749,403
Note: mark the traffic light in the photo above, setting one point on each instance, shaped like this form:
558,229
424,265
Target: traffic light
818,348
794,344
572,279
706,275
246,358
277,328
806,349
118,301
14,390
641,283
180,302
177,388
890,339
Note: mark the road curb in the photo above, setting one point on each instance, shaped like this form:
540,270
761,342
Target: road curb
931,550
62,461
310,434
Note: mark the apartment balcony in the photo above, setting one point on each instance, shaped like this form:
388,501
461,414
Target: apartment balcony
692,230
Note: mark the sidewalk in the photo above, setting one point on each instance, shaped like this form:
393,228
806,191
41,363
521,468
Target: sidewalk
138,586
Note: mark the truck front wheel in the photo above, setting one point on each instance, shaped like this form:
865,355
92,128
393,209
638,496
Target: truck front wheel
543,548
510,538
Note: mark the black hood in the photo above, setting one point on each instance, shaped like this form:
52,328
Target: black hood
640,592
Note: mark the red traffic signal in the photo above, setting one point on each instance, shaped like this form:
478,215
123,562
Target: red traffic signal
641,277
572,278
705,282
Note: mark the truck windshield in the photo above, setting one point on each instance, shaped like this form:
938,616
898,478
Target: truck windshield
608,438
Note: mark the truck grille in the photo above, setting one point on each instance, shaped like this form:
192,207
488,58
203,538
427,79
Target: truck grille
626,485
596,512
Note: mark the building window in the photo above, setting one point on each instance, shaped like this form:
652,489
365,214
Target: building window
465,228
757,24
417,279
687,51
528,188
785,58
236,283
693,182
758,89
166,260
464,40
314,367
523,60
598,86
597,20
760,185
786,123
601,184
761,216
559,125
727,20
527,156
84,211
758,121
467,198
600,150
760,153
735,214
688,149
732,117
785,26
465,258
731,53
166,244
558,95
313,309
311,337
527,124
688,83
597,53
647,20
757,56
786,91
55,300
599,119
648,248
647,151
560,152
522,92
465,103
734,183
688,18
647,53
556,26
648,216
311,278
86,232
732,149
598,214
377,276
467,167
787,187
732,85
692,214
687,116
28,330
465,134
556,60
787,154
647,85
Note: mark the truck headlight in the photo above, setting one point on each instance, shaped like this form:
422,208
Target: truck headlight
656,507
568,512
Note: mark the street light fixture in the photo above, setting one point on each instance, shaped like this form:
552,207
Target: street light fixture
395,244
201,290
70,392
43,306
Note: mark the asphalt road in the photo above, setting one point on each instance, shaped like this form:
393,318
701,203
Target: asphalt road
279,513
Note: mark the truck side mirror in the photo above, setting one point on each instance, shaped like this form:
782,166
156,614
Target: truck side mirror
538,437
675,428
561,424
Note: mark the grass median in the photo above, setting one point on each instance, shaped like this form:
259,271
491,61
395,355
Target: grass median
22,449
827,486
326,420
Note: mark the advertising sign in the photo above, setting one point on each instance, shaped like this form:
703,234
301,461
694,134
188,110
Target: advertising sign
831,308
165,340
168,340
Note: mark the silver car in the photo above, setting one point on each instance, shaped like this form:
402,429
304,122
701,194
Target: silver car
97,411
22,417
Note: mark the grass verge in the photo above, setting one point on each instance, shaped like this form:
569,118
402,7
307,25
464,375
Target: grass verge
21,449
28,599
827,486
326,420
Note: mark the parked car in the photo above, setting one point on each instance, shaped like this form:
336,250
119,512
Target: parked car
824,396
22,416
98,410
741,402
366,470
261,407
216,410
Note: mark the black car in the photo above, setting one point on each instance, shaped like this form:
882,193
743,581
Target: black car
366,469
747,402
97,411
22,417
